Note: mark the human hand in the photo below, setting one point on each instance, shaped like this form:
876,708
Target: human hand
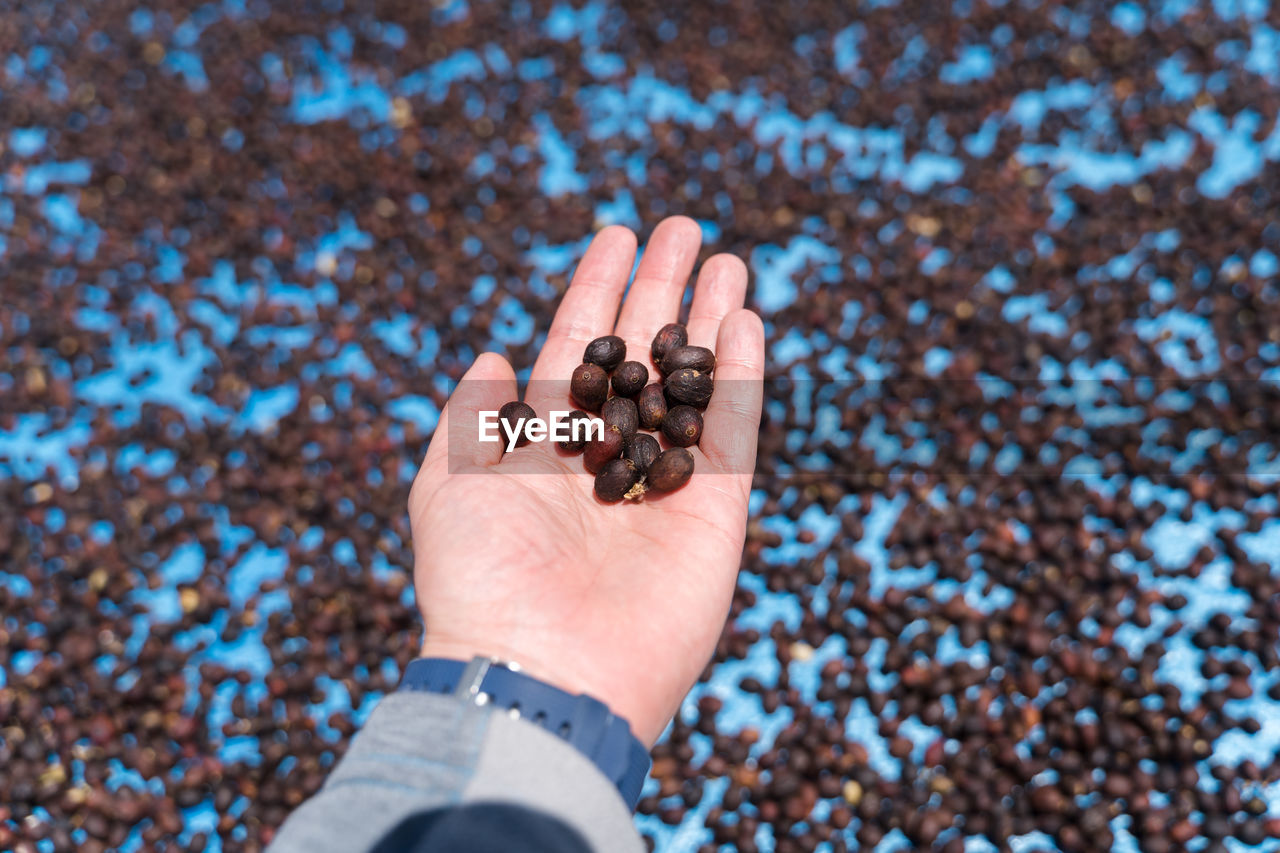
515,557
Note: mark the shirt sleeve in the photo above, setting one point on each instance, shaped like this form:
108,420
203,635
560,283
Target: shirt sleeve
427,769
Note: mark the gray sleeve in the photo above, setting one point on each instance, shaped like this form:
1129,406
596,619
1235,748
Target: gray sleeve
425,751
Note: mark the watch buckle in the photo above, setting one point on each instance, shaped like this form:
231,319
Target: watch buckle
473,676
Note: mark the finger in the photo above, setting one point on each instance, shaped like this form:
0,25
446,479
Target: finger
732,421
588,310
487,386
721,288
590,305
655,295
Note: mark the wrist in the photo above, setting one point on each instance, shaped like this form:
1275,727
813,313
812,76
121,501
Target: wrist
580,720
561,677
465,651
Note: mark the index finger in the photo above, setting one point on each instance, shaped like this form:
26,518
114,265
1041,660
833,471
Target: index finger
588,310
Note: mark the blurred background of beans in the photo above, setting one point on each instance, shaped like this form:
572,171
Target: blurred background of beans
1011,576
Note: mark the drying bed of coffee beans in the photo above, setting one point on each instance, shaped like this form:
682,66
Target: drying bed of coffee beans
1012,577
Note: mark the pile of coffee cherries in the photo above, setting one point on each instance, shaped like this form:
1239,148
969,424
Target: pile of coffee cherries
626,460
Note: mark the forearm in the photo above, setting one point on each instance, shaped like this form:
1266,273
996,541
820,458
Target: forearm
421,757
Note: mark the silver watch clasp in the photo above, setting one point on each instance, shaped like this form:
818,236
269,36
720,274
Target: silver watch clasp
473,676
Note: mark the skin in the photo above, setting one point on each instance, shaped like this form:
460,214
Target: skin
623,602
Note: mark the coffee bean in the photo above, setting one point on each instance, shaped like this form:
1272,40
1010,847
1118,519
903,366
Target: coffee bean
688,387
642,450
601,450
621,412
629,378
688,357
589,386
652,406
571,444
514,418
615,479
682,426
669,337
671,469
607,351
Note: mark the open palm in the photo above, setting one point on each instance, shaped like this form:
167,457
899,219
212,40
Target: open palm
514,555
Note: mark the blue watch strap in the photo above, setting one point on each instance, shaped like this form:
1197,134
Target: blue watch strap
582,721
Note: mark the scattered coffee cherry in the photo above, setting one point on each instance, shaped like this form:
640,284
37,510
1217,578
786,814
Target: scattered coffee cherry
510,415
621,412
600,450
629,378
607,351
571,445
699,358
671,470
682,426
689,386
615,479
642,450
589,386
669,337
652,406
974,778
